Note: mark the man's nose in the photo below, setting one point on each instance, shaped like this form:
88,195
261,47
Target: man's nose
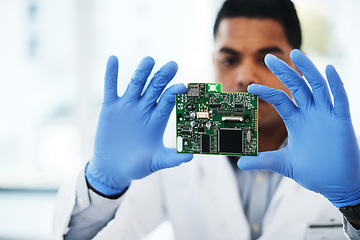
247,73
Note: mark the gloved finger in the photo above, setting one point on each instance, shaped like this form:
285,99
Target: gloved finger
110,83
168,158
157,84
279,99
291,79
341,102
273,161
166,103
138,80
317,83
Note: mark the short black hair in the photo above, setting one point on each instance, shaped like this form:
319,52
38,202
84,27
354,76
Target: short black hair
282,11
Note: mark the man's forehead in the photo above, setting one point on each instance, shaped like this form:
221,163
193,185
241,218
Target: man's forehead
250,32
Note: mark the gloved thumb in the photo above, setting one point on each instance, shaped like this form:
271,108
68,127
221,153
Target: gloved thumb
168,158
272,161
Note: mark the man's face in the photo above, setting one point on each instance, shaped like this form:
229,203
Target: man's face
240,47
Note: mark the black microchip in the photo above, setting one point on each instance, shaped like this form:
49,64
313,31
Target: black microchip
201,129
230,141
205,143
190,106
185,132
239,105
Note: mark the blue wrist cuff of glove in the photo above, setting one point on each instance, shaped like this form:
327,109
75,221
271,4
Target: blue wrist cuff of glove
102,187
354,199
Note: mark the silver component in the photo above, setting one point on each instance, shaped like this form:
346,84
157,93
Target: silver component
192,115
192,123
211,111
248,136
234,119
179,142
193,90
208,125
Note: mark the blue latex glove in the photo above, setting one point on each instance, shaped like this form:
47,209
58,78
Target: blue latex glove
322,153
129,137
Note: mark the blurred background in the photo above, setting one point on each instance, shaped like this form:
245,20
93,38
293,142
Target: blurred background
52,62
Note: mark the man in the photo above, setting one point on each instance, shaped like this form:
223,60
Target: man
210,198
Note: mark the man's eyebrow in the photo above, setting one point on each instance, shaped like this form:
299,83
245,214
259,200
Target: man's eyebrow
270,50
228,50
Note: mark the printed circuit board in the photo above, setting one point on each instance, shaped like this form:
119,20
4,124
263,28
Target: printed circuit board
209,121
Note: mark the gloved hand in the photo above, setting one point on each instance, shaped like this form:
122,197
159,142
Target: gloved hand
129,137
322,153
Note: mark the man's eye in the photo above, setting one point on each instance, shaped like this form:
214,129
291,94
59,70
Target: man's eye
261,61
228,61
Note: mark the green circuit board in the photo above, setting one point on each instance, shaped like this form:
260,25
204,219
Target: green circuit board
209,121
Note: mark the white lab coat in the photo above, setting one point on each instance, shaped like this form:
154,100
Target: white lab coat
201,199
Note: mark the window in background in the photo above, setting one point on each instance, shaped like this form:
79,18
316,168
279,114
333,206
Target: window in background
331,37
